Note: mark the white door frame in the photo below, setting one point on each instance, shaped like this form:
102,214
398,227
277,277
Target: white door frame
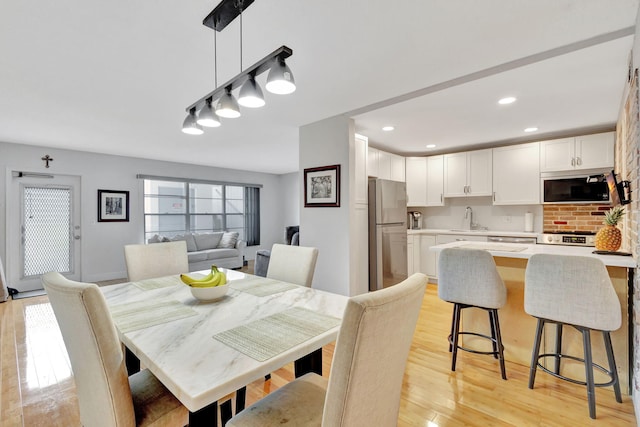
14,255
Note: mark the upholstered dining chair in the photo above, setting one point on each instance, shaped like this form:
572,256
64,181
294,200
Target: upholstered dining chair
107,397
293,264
364,386
156,260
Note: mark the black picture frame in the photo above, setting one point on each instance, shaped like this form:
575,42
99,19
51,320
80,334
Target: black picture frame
113,206
322,187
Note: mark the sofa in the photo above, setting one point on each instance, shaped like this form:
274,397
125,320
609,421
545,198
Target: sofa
224,249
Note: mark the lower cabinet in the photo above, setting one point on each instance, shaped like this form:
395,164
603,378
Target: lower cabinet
419,258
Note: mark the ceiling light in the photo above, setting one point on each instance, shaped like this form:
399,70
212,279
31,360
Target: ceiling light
190,126
531,129
507,100
251,94
228,106
388,128
280,80
207,116
431,145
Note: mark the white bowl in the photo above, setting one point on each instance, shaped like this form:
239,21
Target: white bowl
209,294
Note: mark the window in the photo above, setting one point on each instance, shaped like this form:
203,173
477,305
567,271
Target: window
173,207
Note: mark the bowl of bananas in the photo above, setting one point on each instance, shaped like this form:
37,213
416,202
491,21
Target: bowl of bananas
209,288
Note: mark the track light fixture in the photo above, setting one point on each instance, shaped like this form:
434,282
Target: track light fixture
279,81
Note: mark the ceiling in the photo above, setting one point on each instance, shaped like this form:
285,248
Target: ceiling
115,77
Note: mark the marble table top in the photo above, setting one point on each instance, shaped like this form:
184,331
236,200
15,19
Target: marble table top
182,352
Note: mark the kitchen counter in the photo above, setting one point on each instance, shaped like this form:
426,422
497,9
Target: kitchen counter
518,328
516,250
474,232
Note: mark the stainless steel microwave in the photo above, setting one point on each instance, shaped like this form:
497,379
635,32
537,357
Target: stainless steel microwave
583,189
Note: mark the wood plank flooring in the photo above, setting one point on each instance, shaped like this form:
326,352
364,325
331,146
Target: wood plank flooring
37,385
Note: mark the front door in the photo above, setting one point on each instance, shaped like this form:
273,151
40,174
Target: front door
45,229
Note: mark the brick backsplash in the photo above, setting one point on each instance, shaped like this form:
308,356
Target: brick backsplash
578,217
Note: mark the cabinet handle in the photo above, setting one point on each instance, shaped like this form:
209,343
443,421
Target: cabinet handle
573,161
579,161
440,197
494,196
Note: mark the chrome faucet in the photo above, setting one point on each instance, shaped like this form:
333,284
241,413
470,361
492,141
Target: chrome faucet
468,218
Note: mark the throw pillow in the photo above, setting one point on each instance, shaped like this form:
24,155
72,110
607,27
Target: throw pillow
229,240
207,240
155,239
191,243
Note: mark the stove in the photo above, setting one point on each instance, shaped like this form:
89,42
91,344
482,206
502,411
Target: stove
569,238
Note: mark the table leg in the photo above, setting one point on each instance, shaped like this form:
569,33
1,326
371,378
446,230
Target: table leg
131,362
207,416
312,362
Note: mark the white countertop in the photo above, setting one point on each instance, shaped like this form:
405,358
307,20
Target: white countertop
475,232
516,250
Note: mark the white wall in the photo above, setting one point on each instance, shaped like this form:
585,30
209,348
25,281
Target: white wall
102,243
290,185
326,143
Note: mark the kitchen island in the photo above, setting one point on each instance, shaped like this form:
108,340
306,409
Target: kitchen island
518,328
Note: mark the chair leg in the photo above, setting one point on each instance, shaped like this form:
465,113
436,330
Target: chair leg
535,353
588,370
226,412
454,339
241,397
493,334
495,325
453,324
612,365
558,349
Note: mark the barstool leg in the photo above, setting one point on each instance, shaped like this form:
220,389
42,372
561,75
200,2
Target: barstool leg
454,338
588,370
558,347
495,325
493,334
535,353
612,365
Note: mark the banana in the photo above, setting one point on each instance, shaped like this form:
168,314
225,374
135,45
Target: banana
218,278
190,280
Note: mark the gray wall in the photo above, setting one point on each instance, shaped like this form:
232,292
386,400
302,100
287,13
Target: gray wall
102,243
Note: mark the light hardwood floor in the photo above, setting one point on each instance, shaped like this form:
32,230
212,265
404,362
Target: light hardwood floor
38,390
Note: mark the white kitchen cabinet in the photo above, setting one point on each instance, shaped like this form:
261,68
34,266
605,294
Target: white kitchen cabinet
435,181
410,254
360,169
397,168
416,175
583,152
384,165
516,175
428,264
468,174
372,162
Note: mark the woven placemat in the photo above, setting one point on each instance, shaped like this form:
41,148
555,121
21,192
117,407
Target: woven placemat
261,287
143,314
272,335
159,282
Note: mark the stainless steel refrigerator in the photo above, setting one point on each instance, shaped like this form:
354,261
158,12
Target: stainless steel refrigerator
387,233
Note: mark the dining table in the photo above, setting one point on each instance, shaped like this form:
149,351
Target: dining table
204,350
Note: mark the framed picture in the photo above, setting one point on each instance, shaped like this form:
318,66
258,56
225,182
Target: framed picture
113,206
322,187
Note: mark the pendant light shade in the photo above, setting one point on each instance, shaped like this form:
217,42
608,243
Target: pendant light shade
228,106
251,94
280,80
207,116
189,126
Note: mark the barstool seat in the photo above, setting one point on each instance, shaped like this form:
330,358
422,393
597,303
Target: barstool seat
469,278
574,291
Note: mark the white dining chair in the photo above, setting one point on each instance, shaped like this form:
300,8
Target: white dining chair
364,386
293,264
107,397
156,260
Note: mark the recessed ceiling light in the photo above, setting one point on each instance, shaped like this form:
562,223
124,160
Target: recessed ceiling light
507,100
531,129
431,145
388,128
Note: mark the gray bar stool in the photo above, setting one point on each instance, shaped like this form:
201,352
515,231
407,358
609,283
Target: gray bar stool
574,291
469,278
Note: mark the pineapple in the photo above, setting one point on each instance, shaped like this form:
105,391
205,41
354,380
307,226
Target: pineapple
609,237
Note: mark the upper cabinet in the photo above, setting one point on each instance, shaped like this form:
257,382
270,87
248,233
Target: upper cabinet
360,169
516,175
583,152
381,164
468,174
424,181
